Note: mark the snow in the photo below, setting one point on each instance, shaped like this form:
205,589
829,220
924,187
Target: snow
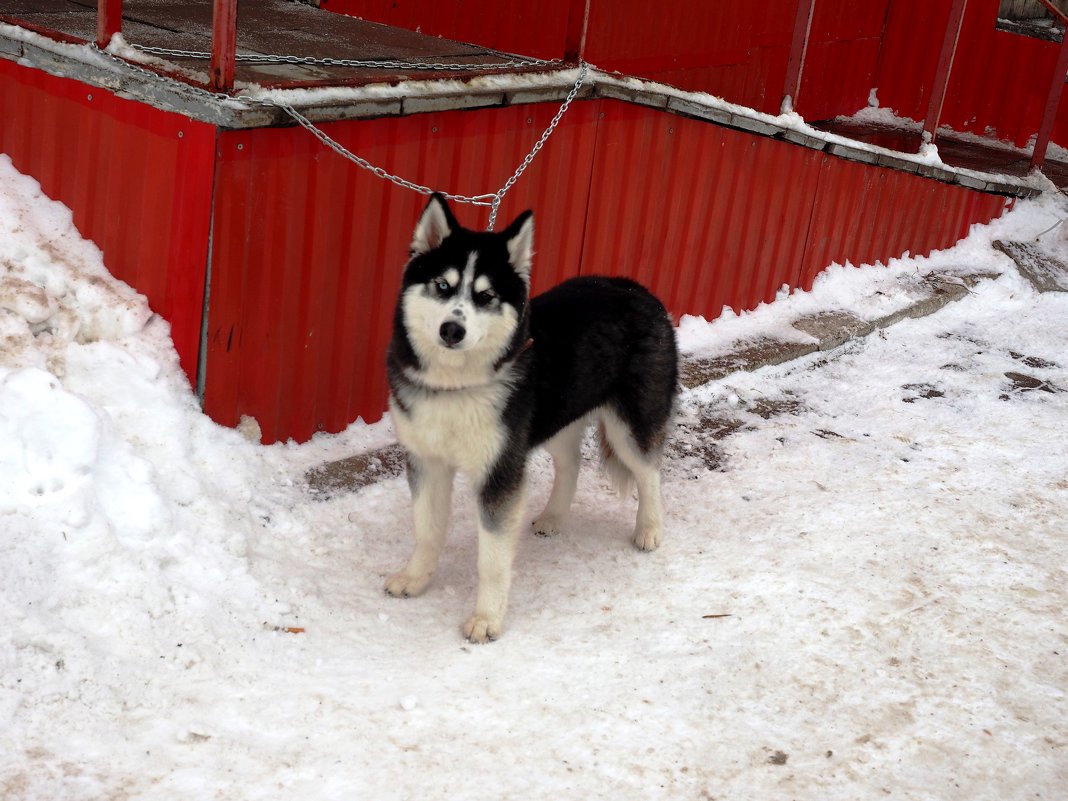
864,599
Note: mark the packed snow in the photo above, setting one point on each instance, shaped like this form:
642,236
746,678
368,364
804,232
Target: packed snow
861,596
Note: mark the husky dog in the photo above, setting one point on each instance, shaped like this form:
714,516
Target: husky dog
480,374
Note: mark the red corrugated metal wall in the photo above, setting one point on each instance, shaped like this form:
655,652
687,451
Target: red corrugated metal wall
999,80
705,216
864,215
137,179
532,29
738,49
842,56
731,48
308,249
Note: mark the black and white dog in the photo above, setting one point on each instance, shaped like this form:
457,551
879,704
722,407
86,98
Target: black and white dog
480,374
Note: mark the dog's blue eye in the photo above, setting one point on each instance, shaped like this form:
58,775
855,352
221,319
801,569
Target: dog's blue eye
442,285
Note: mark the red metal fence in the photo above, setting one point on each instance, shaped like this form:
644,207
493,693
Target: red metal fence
308,249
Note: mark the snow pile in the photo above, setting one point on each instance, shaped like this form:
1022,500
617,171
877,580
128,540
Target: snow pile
118,500
863,596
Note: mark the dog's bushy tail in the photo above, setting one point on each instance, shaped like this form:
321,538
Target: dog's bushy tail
619,475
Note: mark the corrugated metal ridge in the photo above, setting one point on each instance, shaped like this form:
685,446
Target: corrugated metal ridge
172,95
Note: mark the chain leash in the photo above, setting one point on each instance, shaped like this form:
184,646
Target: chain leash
508,61
491,200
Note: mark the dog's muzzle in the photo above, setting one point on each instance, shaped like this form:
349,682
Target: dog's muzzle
452,333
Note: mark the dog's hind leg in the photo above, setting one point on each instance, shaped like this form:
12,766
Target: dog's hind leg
566,449
645,467
431,485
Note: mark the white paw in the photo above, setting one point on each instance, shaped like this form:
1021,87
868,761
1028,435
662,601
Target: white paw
548,525
481,629
648,539
401,585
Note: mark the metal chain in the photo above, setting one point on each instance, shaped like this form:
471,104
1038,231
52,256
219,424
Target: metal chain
583,69
492,200
509,61
341,150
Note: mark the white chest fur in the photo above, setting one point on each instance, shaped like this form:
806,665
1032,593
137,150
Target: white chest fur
460,427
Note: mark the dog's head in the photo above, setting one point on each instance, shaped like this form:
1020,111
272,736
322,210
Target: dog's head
463,304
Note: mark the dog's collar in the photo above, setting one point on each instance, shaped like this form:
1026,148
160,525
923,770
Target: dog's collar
505,359
525,348
412,376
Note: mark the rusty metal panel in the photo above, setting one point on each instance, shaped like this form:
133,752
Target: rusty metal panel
705,216
865,214
138,181
308,249
530,29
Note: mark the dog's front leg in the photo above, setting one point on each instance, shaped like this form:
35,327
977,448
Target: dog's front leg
431,484
500,518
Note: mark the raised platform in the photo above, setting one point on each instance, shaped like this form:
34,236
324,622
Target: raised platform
327,94
972,153
268,27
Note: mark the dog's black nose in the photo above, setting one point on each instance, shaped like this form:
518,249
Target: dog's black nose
452,333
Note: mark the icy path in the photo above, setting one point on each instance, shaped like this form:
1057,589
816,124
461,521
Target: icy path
865,601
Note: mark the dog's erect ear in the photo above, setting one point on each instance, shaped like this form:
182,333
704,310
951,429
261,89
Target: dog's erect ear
436,223
520,238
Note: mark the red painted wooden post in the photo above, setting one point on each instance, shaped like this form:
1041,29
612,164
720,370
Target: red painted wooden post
223,45
1053,99
944,68
798,48
108,21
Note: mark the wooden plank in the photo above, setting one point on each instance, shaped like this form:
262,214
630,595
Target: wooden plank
223,44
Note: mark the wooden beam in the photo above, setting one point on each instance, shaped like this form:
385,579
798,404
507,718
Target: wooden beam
944,69
1053,100
223,45
108,21
795,65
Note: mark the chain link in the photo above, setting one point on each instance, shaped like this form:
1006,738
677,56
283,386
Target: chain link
491,200
341,150
508,61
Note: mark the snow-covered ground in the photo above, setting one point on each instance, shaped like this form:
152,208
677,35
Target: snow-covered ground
865,600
